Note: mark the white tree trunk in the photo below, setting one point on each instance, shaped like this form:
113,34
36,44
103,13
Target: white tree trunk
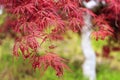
89,66
1,9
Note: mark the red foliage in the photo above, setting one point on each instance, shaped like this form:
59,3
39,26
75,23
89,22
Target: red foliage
30,18
49,59
104,29
106,51
111,13
115,49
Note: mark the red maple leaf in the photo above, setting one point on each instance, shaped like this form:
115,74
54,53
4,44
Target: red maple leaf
52,60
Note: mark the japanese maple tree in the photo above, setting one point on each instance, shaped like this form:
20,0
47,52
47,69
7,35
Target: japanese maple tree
34,22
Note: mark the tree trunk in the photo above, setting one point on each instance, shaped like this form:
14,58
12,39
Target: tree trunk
1,9
89,66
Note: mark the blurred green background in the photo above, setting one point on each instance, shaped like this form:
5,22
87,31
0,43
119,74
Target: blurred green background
20,69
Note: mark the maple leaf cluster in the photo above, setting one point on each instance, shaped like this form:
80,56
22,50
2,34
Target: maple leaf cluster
108,20
50,59
32,20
